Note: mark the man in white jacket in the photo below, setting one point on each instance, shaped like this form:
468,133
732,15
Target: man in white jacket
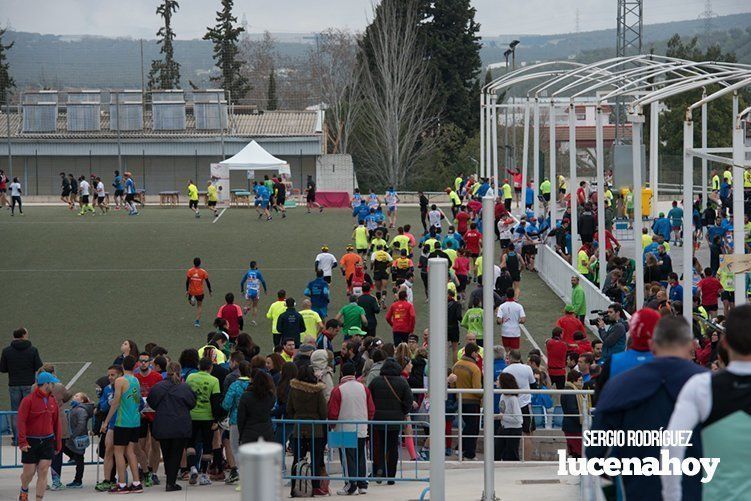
351,401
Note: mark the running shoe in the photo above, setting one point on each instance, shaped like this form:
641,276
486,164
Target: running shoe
136,488
197,323
347,492
362,491
204,479
155,479
103,486
118,489
74,485
232,477
23,496
172,488
193,477
146,480
57,485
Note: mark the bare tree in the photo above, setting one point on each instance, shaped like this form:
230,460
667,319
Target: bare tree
259,56
399,113
336,74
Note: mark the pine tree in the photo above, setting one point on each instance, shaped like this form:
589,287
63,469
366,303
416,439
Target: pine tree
6,82
272,101
225,35
165,74
453,47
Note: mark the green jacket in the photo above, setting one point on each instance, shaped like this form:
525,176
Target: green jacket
578,300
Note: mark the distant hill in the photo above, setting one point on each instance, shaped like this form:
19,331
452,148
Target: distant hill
55,61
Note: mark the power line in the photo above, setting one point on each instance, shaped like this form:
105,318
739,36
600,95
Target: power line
707,16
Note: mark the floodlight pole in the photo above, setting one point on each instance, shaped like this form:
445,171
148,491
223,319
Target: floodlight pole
483,153
637,124
573,184
437,286
525,154
488,246
704,160
739,157
654,155
494,138
535,159
117,125
600,147
688,235
7,127
553,178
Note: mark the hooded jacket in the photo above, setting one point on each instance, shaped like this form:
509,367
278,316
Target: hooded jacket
38,417
306,401
254,417
391,405
172,403
21,361
232,397
78,422
643,399
319,360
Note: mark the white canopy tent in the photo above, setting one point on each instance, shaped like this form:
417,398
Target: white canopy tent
250,159
254,157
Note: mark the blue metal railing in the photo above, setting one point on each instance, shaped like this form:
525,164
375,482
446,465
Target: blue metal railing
343,436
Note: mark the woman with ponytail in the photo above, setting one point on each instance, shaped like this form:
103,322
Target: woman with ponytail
172,401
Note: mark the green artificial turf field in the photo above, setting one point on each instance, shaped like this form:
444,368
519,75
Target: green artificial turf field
82,285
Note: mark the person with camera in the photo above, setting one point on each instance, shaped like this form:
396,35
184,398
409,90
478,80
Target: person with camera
614,335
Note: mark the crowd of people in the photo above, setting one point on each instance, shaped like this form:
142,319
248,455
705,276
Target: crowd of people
190,413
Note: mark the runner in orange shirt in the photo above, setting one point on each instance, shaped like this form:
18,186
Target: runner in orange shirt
347,265
194,287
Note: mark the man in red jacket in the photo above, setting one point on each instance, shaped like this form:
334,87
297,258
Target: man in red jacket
39,434
570,324
556,349
401,318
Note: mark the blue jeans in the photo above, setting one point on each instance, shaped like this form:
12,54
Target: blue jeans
17,393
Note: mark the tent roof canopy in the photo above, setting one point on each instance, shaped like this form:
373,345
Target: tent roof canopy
254,157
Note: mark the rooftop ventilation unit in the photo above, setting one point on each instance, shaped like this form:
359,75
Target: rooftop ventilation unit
40,111
210,109
130,105
168,109
83,110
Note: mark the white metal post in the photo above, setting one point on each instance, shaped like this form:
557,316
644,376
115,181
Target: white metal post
535,159
738,229
488,137
494,141
688,235
573,182
488,261
553,177
600,147
654,155
637,125
437,281
525,154
704,145
482,135
261,471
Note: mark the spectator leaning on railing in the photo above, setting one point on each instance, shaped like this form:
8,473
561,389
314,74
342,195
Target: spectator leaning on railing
20,360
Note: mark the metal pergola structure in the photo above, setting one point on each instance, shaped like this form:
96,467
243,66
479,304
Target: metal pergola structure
639,81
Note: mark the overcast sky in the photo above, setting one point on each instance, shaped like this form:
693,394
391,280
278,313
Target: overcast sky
136,18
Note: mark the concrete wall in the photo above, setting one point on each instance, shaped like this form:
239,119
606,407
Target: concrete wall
40,175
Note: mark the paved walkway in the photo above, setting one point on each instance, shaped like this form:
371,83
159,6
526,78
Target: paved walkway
513,482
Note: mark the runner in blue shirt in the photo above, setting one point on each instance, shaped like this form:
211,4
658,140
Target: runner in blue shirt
676,221
361,211
661,226
264,195
119,190
130,194
250,286
318,292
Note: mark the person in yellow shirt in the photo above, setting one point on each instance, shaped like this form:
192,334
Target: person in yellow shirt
313,322
728,175
212,197
400,242
562,186
277,308
360,236
747,179
645,238
193,198
506,190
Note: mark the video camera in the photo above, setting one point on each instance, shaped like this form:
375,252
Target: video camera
601,315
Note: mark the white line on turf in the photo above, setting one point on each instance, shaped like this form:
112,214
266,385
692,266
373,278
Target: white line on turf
534,343
78,375
220,215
